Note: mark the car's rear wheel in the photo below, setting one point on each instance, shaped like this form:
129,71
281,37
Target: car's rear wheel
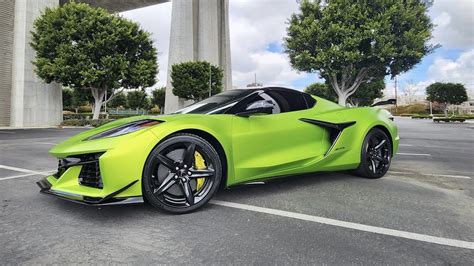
182,174
376,154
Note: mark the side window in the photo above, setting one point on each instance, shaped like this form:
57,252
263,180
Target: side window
288,100
276,106
283,101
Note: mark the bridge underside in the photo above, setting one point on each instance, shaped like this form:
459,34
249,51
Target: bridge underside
119,5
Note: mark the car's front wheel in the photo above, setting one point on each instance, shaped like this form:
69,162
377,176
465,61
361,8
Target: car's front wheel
376,155
182,174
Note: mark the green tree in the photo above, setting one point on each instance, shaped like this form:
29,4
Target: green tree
364,96
159,96
321,90
190,80
350,42
87,48
120,100
446,94
367,93
138,100
67,98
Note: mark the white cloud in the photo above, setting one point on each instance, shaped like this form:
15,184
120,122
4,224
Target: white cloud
156,20
271,69
253,26
454,23
460,70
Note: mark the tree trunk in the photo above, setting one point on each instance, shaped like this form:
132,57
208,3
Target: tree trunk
346,85
98,95
342,99
445,109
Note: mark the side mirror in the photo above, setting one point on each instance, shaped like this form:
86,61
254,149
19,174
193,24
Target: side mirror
389,101
258,107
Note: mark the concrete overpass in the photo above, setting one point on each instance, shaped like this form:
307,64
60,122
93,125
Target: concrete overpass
199,31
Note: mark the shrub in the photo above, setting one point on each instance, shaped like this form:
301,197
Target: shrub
83,122
421,117
155,110
448,119
83,116
85,109
416,108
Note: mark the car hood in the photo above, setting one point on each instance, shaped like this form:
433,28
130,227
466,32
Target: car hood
79,144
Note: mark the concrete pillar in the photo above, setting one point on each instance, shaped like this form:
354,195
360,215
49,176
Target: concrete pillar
7,15
199,31
33,103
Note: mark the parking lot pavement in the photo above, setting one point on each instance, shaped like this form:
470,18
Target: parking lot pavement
422,212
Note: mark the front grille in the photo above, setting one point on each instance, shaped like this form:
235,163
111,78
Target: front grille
90,171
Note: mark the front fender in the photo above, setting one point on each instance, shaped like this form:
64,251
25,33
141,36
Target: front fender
218,126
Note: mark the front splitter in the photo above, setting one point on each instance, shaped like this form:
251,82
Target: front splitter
46,188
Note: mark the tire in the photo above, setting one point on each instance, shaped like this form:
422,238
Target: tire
171,180
376,155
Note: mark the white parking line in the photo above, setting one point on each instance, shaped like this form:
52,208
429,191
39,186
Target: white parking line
441,175
26,175
27,171
46,143
414,154
453,176
18,169
405,145
350,225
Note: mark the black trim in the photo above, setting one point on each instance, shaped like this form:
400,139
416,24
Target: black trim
329,125
45,187
67,165
335,129
389,101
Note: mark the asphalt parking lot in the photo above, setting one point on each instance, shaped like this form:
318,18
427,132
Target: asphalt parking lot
422,212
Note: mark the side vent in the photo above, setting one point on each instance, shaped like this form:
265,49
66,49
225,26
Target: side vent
335,129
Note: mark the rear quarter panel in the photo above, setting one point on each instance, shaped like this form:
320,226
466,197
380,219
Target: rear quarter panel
346,153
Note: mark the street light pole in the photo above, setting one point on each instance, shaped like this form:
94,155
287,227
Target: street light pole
396,96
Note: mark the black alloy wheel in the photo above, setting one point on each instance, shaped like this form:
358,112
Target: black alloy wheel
376,155
182,174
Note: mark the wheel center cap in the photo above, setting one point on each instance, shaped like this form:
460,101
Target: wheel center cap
181,172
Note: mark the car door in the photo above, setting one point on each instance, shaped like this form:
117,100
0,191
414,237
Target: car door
266,145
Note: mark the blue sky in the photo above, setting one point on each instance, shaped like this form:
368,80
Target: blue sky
420,71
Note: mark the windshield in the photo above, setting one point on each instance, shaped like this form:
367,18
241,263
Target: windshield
216,104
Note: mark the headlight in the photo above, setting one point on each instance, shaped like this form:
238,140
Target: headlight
125,129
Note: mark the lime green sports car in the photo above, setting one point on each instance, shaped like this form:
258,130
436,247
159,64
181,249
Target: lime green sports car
177,162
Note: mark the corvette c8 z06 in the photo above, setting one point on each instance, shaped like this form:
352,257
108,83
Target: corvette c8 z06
177,162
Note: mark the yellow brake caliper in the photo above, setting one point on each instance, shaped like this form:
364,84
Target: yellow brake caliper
200,164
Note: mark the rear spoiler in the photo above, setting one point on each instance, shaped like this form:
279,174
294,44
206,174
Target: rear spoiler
389,101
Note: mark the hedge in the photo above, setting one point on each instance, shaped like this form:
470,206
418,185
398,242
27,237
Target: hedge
84,122
421,117
448,119
86,116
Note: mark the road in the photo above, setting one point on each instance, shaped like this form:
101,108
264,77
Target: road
422,212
